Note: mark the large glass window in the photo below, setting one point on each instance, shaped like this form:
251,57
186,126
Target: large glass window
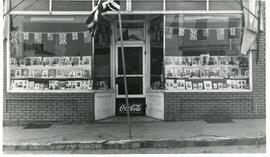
185,4
30,5
153,5
71,5
102,60
50,53
224,5
203,53
155,32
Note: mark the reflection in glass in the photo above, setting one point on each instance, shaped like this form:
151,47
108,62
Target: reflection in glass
133,60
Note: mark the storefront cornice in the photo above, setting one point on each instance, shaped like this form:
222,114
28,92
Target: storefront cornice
200,12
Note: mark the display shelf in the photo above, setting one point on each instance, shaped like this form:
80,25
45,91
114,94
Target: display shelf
54,78
49,91
87,67
206,91
190,78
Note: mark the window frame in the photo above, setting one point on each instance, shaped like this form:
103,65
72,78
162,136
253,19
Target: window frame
212,90
59,13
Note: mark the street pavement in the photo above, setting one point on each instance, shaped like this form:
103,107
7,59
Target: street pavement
189,150
144,135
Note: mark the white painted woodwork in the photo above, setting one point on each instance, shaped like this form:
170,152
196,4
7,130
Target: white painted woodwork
104,105
155,105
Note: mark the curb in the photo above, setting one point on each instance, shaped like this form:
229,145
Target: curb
137,143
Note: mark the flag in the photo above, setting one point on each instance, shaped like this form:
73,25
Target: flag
181,31
251,26
206,32
38,38
86,37
50,36
74,35
25,35
220,34
92,20
62,38
232,31
193,34
14,37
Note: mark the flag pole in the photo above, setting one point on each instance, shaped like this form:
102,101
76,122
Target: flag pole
124,73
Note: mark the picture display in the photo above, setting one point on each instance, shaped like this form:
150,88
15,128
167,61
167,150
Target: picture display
51,73
206,72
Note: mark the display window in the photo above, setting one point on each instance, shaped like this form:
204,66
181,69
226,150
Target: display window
50,53
30,5
155,32
102,62
202,53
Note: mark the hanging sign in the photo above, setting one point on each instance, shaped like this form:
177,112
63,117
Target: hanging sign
137,107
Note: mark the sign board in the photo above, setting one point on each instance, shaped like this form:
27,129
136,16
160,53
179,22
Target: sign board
137,106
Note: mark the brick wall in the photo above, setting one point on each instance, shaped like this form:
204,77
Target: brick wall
22,108
192,106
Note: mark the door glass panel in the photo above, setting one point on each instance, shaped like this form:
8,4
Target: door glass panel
133,60
134,85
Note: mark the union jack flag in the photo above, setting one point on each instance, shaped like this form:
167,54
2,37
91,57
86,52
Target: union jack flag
193,34
92,21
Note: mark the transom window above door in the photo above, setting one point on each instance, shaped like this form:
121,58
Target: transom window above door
132,31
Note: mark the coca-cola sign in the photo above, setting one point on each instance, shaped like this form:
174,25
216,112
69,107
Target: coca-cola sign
132,108
136,107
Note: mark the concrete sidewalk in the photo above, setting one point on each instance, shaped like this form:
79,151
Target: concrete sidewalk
144,135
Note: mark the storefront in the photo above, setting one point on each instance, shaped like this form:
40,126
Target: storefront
183,62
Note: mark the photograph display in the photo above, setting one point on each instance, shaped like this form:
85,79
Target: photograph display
206,68
51,73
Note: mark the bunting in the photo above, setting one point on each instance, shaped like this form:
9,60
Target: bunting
220,34
181,31
49,36
169,33
14,37
25,36
193,34
74,36
87,37
205,32
37,37
232,31
62,38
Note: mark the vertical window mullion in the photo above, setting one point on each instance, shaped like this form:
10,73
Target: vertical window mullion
207,5
50,6
164,5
